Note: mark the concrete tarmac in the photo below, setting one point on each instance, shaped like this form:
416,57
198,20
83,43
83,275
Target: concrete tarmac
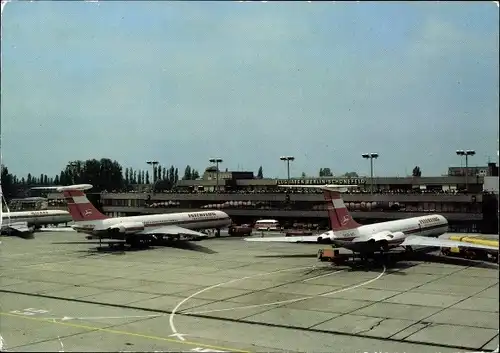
230,295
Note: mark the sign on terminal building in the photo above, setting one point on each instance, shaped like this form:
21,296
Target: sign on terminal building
323,181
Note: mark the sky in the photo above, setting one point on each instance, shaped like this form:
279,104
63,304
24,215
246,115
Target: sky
248,82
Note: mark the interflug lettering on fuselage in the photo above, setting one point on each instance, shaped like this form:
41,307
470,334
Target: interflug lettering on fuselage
346,234
198,215
39,213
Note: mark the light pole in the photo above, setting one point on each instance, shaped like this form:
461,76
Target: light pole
73,166
153,164
216,161
287,159
466,153
371,157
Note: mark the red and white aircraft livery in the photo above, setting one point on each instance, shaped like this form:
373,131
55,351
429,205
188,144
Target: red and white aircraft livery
171,225
347,233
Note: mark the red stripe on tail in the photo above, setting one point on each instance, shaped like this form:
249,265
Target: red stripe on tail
80,208
340,218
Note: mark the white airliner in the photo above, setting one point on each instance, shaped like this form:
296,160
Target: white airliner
28,221
367,239
133,229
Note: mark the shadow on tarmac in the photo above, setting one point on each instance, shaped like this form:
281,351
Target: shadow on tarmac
116,249
396,261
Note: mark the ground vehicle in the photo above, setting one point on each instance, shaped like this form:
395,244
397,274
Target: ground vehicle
332,255
243,230
297,232
267,224
471,253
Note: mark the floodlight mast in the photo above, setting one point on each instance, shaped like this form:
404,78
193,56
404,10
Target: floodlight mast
371,157
216,161
287,159
153,163
466,154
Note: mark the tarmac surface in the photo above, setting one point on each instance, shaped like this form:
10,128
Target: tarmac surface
229,295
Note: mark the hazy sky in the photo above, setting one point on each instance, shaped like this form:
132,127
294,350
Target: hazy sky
248,82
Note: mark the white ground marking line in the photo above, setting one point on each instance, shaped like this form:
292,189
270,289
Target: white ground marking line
2,344
62,345
289,300
174,311
324,275
66,318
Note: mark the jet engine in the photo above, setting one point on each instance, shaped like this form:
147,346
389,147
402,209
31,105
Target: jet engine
387,239
127,227
325,238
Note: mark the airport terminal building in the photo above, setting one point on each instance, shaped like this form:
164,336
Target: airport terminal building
247,199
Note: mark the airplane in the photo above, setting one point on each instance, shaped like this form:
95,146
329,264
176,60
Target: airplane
38,218
26,222
13,228
133,230
377,237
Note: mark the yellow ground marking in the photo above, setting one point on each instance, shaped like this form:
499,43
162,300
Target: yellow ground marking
126,333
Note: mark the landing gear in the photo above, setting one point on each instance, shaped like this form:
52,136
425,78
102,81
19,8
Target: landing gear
137,243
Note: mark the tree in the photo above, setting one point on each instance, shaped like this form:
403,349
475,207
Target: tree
29,180
194,174
260,174
176,175
303,175
134,177
164,173
325,172
351,175
416,171
131,176
56,180
8,187
103,174
45,180
156,175
127,179
171,175
187,173
147,177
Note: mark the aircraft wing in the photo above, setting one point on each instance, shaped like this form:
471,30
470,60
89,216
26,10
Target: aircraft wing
295,239
21,227
173,230
413,240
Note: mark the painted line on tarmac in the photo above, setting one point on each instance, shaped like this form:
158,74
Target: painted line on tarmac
2,344
62,345
174,311
289,300
124,333
324,275
66,318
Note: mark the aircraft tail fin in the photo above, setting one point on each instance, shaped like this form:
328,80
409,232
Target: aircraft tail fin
79,206
340,218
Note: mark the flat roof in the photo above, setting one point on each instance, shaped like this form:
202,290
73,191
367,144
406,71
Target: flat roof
29,199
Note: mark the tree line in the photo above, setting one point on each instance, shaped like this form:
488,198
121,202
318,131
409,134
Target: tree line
104,175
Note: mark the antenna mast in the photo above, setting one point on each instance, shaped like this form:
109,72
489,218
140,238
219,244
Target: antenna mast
1,159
